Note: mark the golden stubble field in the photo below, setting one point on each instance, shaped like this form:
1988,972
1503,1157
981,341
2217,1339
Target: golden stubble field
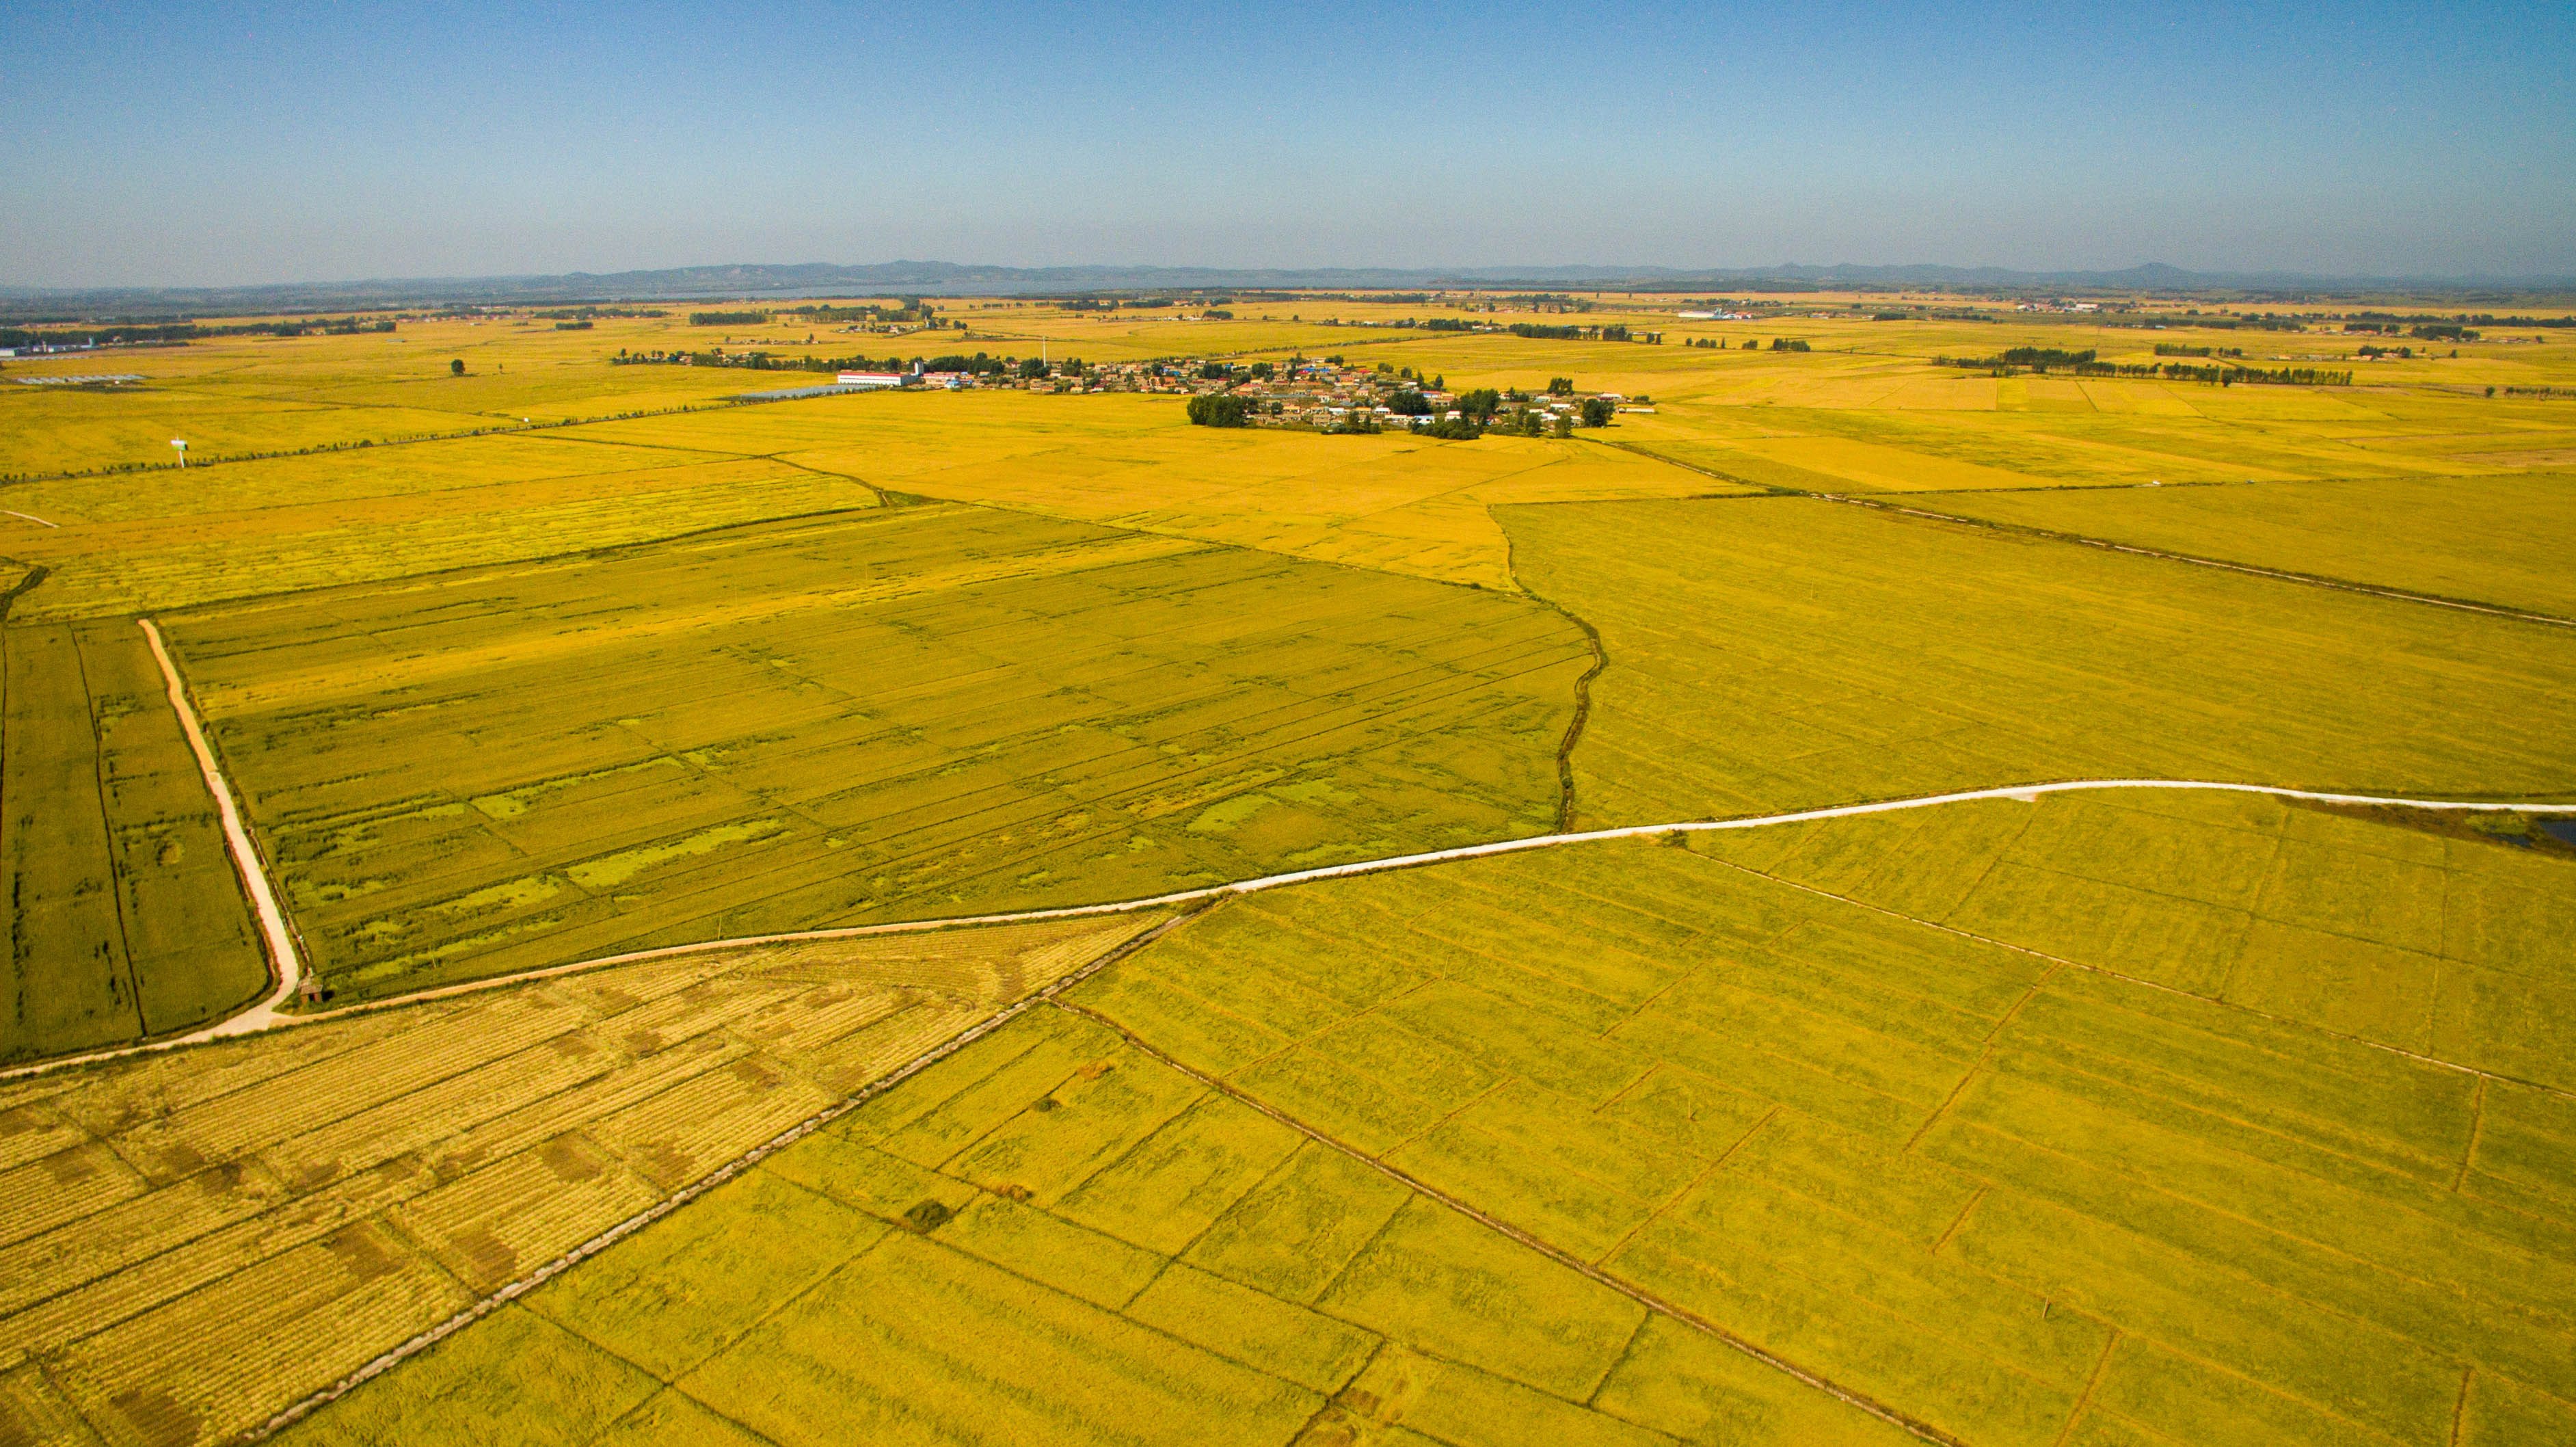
290,1205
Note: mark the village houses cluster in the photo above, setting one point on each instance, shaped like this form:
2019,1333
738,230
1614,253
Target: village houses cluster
1324,393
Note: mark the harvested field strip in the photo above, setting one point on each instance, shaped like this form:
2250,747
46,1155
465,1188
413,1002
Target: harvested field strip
355,1182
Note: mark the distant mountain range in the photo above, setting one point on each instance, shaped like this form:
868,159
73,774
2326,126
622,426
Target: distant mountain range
948,278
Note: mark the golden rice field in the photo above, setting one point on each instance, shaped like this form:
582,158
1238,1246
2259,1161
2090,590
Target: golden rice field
921,712
1769,654
2112,1119
290,1205
2494,540
125,916
1388,502
1327,1161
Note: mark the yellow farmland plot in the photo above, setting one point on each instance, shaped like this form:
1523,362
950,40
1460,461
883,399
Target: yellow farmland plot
1394,502
912,713
191,1242
1052,1237
2492,539
1872,468
146,564
1776,653
1338,1160
2102,1120
125,917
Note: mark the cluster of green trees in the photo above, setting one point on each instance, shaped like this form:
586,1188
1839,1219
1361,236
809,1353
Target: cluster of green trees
908,309
1789,344
580,326
2229,376
1539,331
586,313
2082,364
2038,359
1220,411
2179,349
728,319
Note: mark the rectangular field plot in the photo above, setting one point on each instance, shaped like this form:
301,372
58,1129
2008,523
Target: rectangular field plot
1776,653
2006,1197
2408,928
345,1184
126,918
359,522
926,712
2495,540
2009,1197
846,1291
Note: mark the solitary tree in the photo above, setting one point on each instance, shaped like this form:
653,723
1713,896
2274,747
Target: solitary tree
456,368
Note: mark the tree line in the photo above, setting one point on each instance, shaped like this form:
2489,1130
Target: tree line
2082,364
179,332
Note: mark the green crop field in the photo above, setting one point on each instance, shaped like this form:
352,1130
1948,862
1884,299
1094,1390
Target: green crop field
2098,1119
923,712
125,917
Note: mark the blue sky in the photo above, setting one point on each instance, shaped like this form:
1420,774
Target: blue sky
215,144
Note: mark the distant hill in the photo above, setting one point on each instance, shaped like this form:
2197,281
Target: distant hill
948,278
